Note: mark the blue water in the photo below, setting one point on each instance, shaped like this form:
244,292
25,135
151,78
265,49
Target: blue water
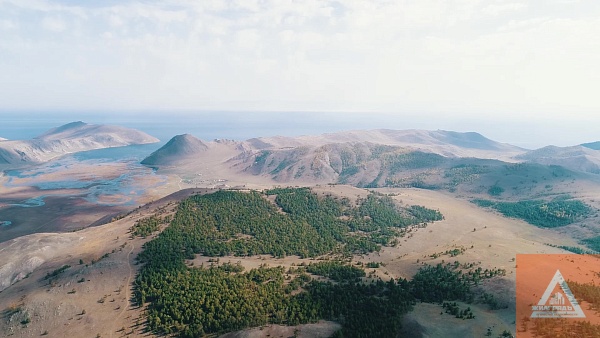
124,186
5,223
122,190
204,125
130,153
32,202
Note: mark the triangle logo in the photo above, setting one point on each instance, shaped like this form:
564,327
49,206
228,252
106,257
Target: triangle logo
557,303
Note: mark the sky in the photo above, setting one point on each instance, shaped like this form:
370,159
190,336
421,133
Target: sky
467,64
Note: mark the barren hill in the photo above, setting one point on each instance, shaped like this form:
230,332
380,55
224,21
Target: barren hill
446,143
368,158
70,138
579,158
458,162
357,163
592,145
180,147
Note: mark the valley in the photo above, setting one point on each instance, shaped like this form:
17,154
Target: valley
75,263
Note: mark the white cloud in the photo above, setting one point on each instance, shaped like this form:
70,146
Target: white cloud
247,39
462,56
8,25
503,8
54,24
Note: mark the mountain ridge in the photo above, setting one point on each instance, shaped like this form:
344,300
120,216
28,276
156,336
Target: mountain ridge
69,138
579,157
446,143
358,157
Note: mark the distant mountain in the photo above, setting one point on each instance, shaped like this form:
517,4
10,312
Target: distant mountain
70,138
67,128
362,158
180,147
355,163
592,145
2,139
365,157
579,158
446,143
466,163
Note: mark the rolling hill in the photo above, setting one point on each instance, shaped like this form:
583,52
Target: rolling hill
578,158
446,143
69,138
461,162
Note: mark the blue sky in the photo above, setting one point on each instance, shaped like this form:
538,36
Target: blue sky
487,60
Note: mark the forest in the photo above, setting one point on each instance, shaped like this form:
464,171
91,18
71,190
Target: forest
592,243
546,214
201,300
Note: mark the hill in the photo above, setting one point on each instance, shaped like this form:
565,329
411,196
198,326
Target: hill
371,158
80,283
69,138
180,147
465,163
578,158
446,143
356,163
592,145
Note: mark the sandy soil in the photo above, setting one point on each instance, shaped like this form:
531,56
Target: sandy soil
87,299
430,321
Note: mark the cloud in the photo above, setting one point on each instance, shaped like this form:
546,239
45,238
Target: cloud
464,56
54,24
503,8
7,25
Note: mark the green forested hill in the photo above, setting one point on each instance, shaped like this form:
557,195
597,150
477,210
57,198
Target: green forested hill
193,302
545,214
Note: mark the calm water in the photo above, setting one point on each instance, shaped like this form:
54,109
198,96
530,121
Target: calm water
123,189
90,189
204,125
